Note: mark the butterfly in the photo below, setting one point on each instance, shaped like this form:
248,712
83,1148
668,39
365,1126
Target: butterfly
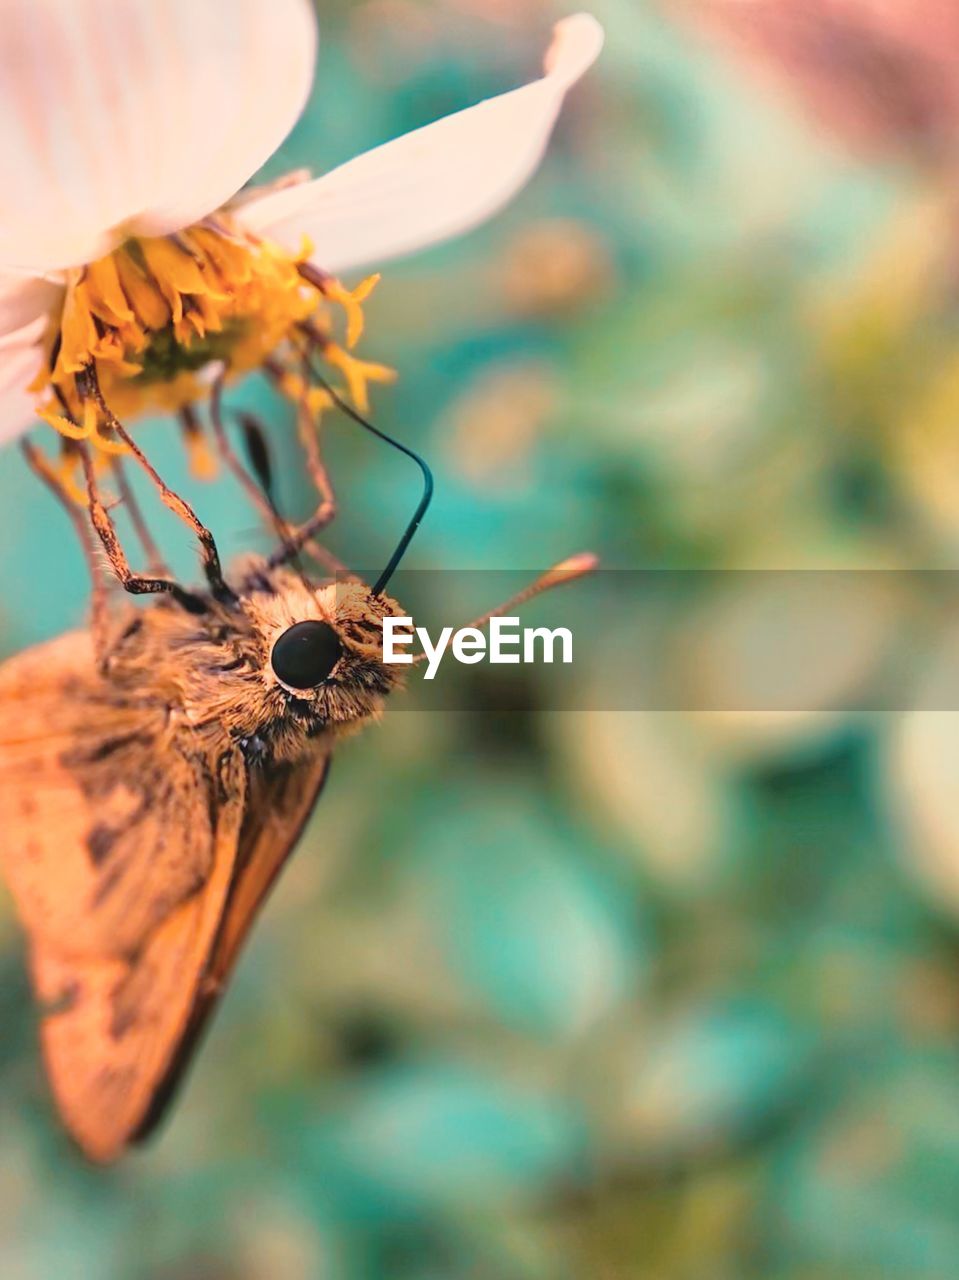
156,771
149,807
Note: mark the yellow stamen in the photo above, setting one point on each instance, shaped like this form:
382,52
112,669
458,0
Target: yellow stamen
358,373
66,471
351,300
316,399
64,425
177,273
115,447
200,457
230,258
78,333
107,299
150,309
90,418
155,313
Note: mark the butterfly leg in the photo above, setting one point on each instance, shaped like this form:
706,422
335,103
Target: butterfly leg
179,506
40,465
326,510
106,531
259,494
155,561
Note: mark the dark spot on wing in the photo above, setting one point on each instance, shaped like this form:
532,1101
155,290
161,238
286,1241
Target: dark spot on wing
100,843
130,998
101,750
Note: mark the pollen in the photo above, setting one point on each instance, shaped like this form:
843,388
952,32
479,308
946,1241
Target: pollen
158,319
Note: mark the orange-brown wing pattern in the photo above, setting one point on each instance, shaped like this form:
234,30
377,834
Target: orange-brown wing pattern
137,865
115,1026
119,848
279,803
107,824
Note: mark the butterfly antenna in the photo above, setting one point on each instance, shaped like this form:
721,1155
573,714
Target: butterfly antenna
424,502
567,570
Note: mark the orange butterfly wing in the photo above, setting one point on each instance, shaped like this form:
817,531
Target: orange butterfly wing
115,1024
137,870
106,824
279,804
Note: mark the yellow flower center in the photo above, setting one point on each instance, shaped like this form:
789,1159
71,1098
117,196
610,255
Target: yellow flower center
155,316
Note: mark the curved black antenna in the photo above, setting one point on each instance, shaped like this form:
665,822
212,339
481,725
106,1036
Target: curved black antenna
424,501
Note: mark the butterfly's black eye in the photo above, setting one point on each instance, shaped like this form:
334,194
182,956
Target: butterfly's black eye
305,654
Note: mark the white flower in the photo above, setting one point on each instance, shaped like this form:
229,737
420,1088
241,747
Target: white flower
128,127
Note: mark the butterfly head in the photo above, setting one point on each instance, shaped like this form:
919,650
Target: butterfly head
321,652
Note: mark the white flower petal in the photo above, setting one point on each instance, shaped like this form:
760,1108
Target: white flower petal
23,299
125,116
19,365
435,182
27,335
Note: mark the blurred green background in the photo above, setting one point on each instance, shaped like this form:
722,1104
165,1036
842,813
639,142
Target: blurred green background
546,993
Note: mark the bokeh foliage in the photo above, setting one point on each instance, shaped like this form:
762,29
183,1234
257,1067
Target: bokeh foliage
546,994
